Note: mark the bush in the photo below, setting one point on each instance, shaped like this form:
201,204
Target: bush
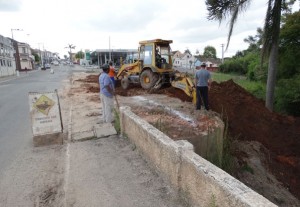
288,96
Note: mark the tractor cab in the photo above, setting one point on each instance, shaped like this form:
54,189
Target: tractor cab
156,54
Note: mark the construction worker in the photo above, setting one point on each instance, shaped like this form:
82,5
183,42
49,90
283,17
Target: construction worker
106,95
202,83
112,72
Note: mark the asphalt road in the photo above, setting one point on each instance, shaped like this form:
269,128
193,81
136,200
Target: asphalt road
15,125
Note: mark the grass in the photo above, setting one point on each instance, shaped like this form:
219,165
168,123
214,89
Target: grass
117,123
247,168
227,159
213,202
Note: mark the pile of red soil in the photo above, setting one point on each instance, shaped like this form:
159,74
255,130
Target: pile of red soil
249,119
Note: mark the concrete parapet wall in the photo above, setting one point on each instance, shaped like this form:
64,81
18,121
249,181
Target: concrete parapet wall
200,182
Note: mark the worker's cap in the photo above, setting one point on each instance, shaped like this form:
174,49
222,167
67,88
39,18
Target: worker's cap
105,67
203,64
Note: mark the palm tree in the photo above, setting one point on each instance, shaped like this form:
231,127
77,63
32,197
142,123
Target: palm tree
220,9
70,47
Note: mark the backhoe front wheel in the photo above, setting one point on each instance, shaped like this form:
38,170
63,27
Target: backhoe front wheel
148,79
125,83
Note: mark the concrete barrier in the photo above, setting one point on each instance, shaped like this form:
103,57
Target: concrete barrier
198,181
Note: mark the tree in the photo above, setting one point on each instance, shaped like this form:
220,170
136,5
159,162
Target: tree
70,47
210,52
219,10
288,91
187,51
79,55
65,56
289,64
36,57
255,42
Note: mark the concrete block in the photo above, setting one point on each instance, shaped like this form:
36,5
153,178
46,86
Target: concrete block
105,130
80,136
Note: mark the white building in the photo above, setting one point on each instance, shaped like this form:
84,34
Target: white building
185,61
7,60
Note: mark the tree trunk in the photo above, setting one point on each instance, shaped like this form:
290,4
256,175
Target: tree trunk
273,65
273,58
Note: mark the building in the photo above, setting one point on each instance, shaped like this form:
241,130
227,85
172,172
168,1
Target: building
25,57
183,60
7,59
176,57
103,56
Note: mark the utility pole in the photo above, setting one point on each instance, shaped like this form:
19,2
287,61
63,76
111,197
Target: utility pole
222,45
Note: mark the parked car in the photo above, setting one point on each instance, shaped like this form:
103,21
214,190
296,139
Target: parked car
56,63
47,66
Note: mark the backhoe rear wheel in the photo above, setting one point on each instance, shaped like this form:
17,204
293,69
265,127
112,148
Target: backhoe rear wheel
148,79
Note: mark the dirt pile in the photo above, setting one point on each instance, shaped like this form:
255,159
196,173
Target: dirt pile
248,119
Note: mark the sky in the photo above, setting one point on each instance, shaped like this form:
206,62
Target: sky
120,24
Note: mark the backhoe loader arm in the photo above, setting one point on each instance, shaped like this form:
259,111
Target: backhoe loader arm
133,68
185,83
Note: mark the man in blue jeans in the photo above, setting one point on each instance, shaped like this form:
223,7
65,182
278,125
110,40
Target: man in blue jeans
202,82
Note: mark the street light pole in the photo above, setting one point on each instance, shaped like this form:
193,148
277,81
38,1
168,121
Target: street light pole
16,47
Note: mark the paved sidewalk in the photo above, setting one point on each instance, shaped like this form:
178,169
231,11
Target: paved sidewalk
103,169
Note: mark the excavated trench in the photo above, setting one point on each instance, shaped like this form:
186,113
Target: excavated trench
168,109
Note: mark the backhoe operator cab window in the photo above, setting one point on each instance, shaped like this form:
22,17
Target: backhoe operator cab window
162,55
165,54
146,54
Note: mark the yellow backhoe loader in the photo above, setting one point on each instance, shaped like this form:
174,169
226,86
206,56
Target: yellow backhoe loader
153,68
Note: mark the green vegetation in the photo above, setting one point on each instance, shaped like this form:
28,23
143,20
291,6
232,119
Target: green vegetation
36,57
227,159
247,168
210,52
246,69
117,123
271,40
79,55
213,202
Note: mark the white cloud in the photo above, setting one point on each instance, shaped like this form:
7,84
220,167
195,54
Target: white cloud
89,24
